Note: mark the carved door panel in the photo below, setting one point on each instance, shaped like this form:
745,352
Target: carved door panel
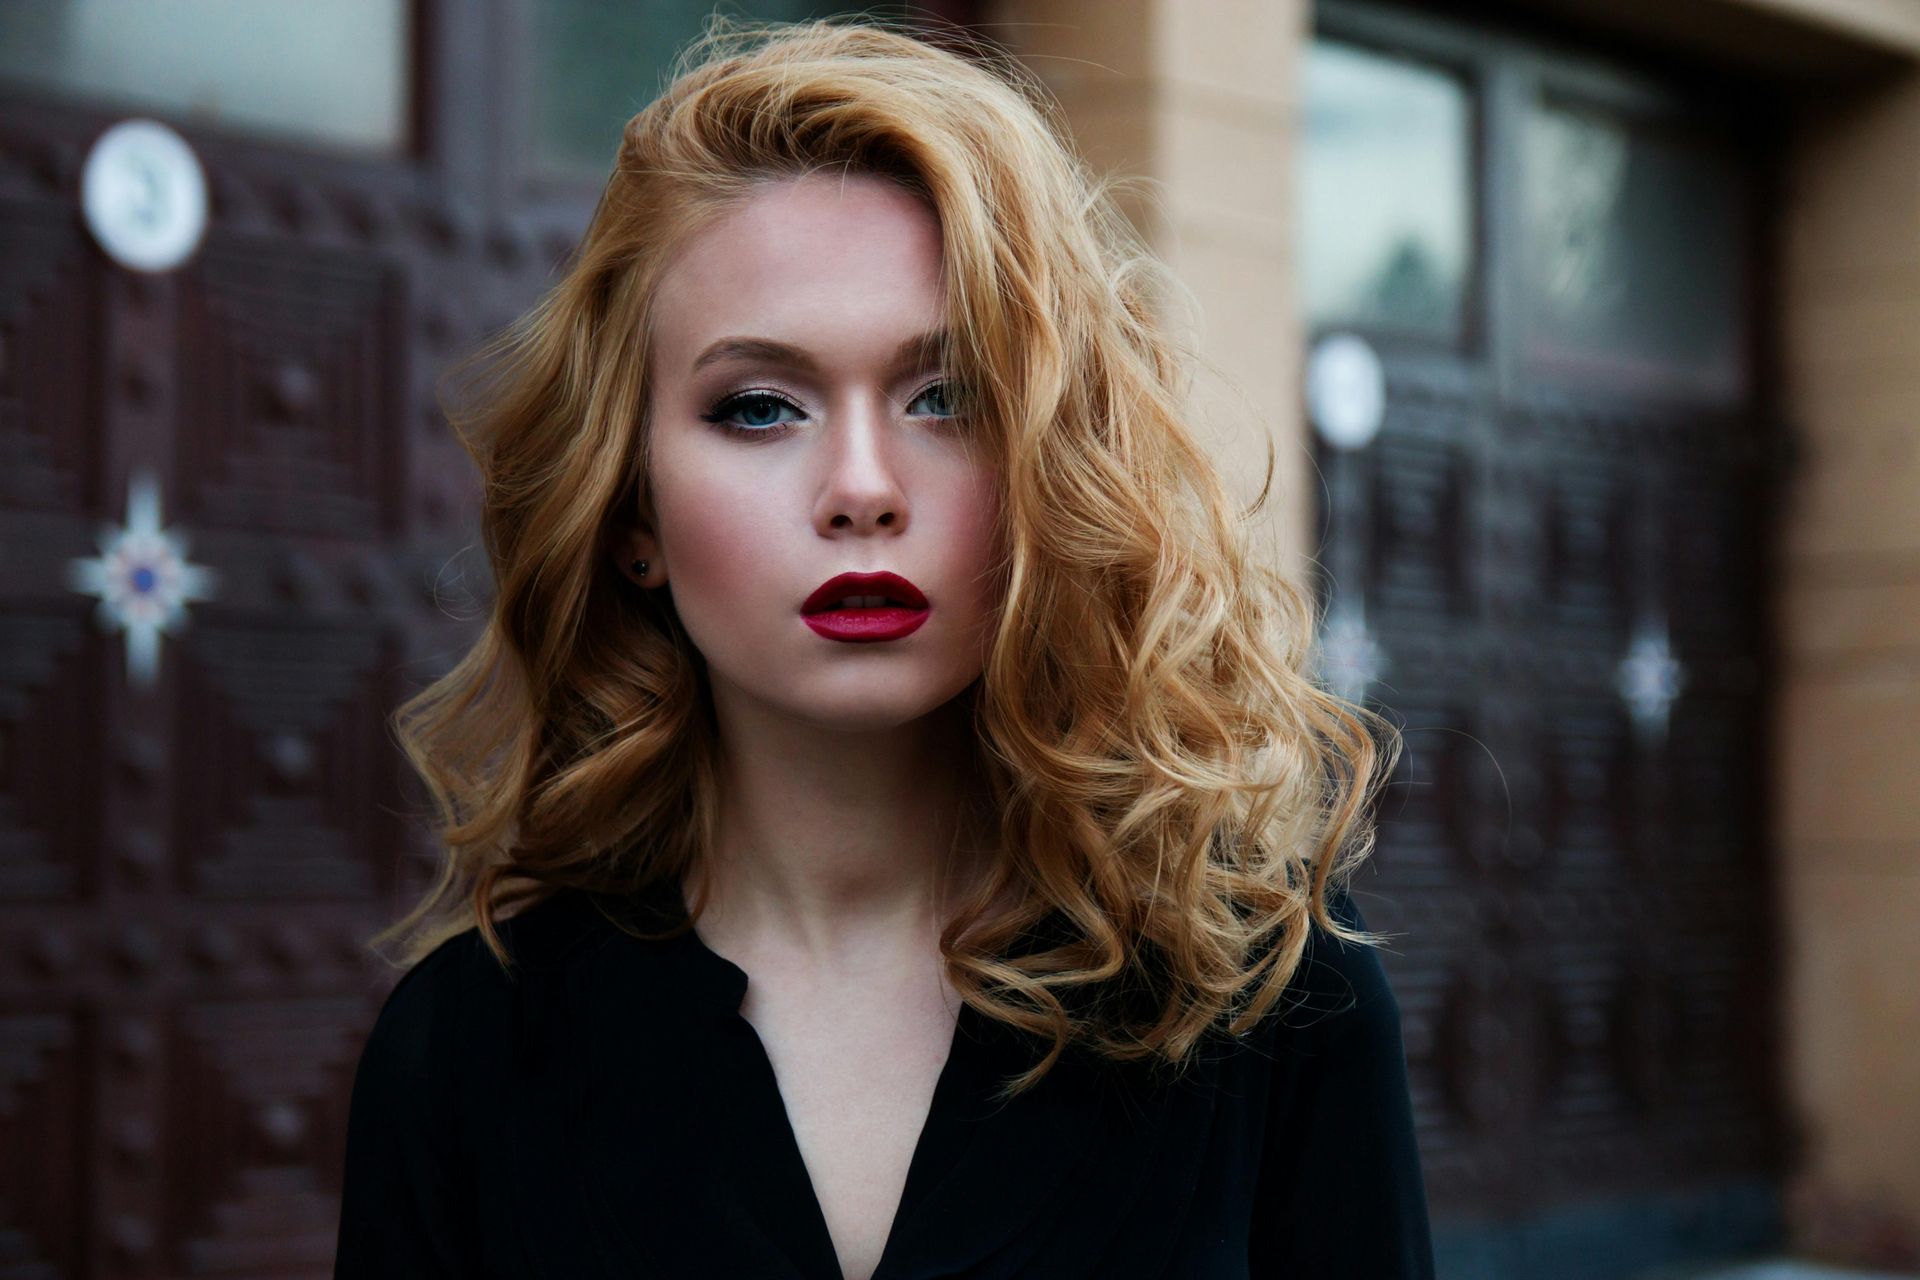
200,826
1547,481
203,817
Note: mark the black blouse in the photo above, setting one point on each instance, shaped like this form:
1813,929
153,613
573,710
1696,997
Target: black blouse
606,1111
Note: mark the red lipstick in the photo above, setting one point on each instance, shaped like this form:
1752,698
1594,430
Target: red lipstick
861,608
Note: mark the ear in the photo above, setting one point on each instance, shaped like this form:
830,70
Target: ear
634,542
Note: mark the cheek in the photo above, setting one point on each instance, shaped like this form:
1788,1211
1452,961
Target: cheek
715,529
972,548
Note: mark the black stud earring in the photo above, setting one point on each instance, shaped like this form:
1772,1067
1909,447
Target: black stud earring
639,568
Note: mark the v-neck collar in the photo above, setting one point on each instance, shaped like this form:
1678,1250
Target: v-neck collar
762,1155
660,1019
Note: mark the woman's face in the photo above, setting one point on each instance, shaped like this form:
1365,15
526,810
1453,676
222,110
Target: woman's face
802,429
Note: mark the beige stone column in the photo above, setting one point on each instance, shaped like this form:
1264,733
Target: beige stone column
1849,624
1193,101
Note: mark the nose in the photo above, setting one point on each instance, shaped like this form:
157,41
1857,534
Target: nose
860,492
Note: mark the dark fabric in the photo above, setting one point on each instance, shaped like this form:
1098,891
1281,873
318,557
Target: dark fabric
603,1110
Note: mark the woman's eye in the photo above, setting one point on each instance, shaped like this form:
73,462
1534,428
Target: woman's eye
756,411
937,395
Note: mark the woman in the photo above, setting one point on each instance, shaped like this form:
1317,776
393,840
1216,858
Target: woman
869,623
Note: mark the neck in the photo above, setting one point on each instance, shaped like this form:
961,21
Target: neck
836,847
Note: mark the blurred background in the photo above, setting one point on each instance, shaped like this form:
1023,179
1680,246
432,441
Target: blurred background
1589,334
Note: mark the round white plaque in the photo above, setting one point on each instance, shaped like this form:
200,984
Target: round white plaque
1346,390
144,196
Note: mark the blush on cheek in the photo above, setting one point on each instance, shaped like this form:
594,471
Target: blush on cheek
717,569
970,566
982,527
716,533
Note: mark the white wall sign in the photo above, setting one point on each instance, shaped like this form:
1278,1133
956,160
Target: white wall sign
1346,390
144,196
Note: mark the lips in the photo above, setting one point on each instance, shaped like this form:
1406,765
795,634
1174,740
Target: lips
891,587
865,607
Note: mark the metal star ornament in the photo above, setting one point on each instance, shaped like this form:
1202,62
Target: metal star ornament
143,579
1649,678
1351,660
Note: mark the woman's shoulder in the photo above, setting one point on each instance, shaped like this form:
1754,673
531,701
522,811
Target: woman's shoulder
437,1001
1340,1189
1340,987
538,936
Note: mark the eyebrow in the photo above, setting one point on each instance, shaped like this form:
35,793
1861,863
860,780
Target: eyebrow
923,348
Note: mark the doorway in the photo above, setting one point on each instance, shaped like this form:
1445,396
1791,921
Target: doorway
1534,286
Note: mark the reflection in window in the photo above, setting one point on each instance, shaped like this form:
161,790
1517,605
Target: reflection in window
334,73
596,64
1386,227
1633,261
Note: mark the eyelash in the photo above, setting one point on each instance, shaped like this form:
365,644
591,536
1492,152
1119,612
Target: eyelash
728,405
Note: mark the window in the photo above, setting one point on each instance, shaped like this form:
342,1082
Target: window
337,74
1632,253
1386,234
596,64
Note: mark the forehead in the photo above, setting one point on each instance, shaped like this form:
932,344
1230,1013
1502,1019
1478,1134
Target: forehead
809,260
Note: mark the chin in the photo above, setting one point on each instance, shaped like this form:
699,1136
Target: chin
861,701
873,714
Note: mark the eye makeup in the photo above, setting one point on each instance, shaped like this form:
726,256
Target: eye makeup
721,413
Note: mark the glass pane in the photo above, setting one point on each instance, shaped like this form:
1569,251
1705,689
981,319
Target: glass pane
1633,255
596,64
335,73
1386,205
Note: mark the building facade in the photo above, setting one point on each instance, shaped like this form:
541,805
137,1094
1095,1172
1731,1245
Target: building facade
1586,332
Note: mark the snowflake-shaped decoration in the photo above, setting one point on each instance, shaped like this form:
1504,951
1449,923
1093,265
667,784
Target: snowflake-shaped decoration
1649,678
142,578
1350,658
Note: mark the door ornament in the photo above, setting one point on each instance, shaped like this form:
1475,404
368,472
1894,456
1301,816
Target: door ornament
142,578
144,196
1346,390
1649,678
1350,658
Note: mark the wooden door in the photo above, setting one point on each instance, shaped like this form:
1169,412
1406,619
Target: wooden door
1545,559
194,850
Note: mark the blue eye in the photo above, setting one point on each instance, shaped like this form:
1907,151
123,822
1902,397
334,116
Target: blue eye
747,414
938,392
755,415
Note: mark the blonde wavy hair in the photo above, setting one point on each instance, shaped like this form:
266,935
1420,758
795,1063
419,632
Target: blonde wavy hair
1179,788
